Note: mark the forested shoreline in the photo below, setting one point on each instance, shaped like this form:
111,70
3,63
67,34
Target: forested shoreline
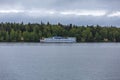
33,32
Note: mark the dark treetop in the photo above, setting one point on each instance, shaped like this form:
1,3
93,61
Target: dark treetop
33,32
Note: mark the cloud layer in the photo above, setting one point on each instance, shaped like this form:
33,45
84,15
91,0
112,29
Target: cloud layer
81,12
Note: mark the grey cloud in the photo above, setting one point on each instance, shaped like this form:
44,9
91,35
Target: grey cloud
61,5
65,4
62,19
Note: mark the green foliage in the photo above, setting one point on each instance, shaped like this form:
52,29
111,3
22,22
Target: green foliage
26,36
87,35
20,32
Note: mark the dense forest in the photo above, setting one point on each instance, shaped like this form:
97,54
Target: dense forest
32,32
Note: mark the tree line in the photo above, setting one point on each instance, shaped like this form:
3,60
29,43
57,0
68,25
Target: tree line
33,32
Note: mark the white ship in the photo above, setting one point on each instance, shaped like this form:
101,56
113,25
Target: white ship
58,39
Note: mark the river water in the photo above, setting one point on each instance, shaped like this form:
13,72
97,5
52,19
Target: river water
74,61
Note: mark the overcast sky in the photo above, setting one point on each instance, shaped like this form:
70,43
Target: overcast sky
80,12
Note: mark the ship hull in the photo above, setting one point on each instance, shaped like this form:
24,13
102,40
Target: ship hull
56,40
44,41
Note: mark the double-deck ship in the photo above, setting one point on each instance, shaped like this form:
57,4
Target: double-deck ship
58,39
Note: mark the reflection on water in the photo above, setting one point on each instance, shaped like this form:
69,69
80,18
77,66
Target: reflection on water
76,61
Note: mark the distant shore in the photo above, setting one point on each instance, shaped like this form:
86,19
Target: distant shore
33,32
